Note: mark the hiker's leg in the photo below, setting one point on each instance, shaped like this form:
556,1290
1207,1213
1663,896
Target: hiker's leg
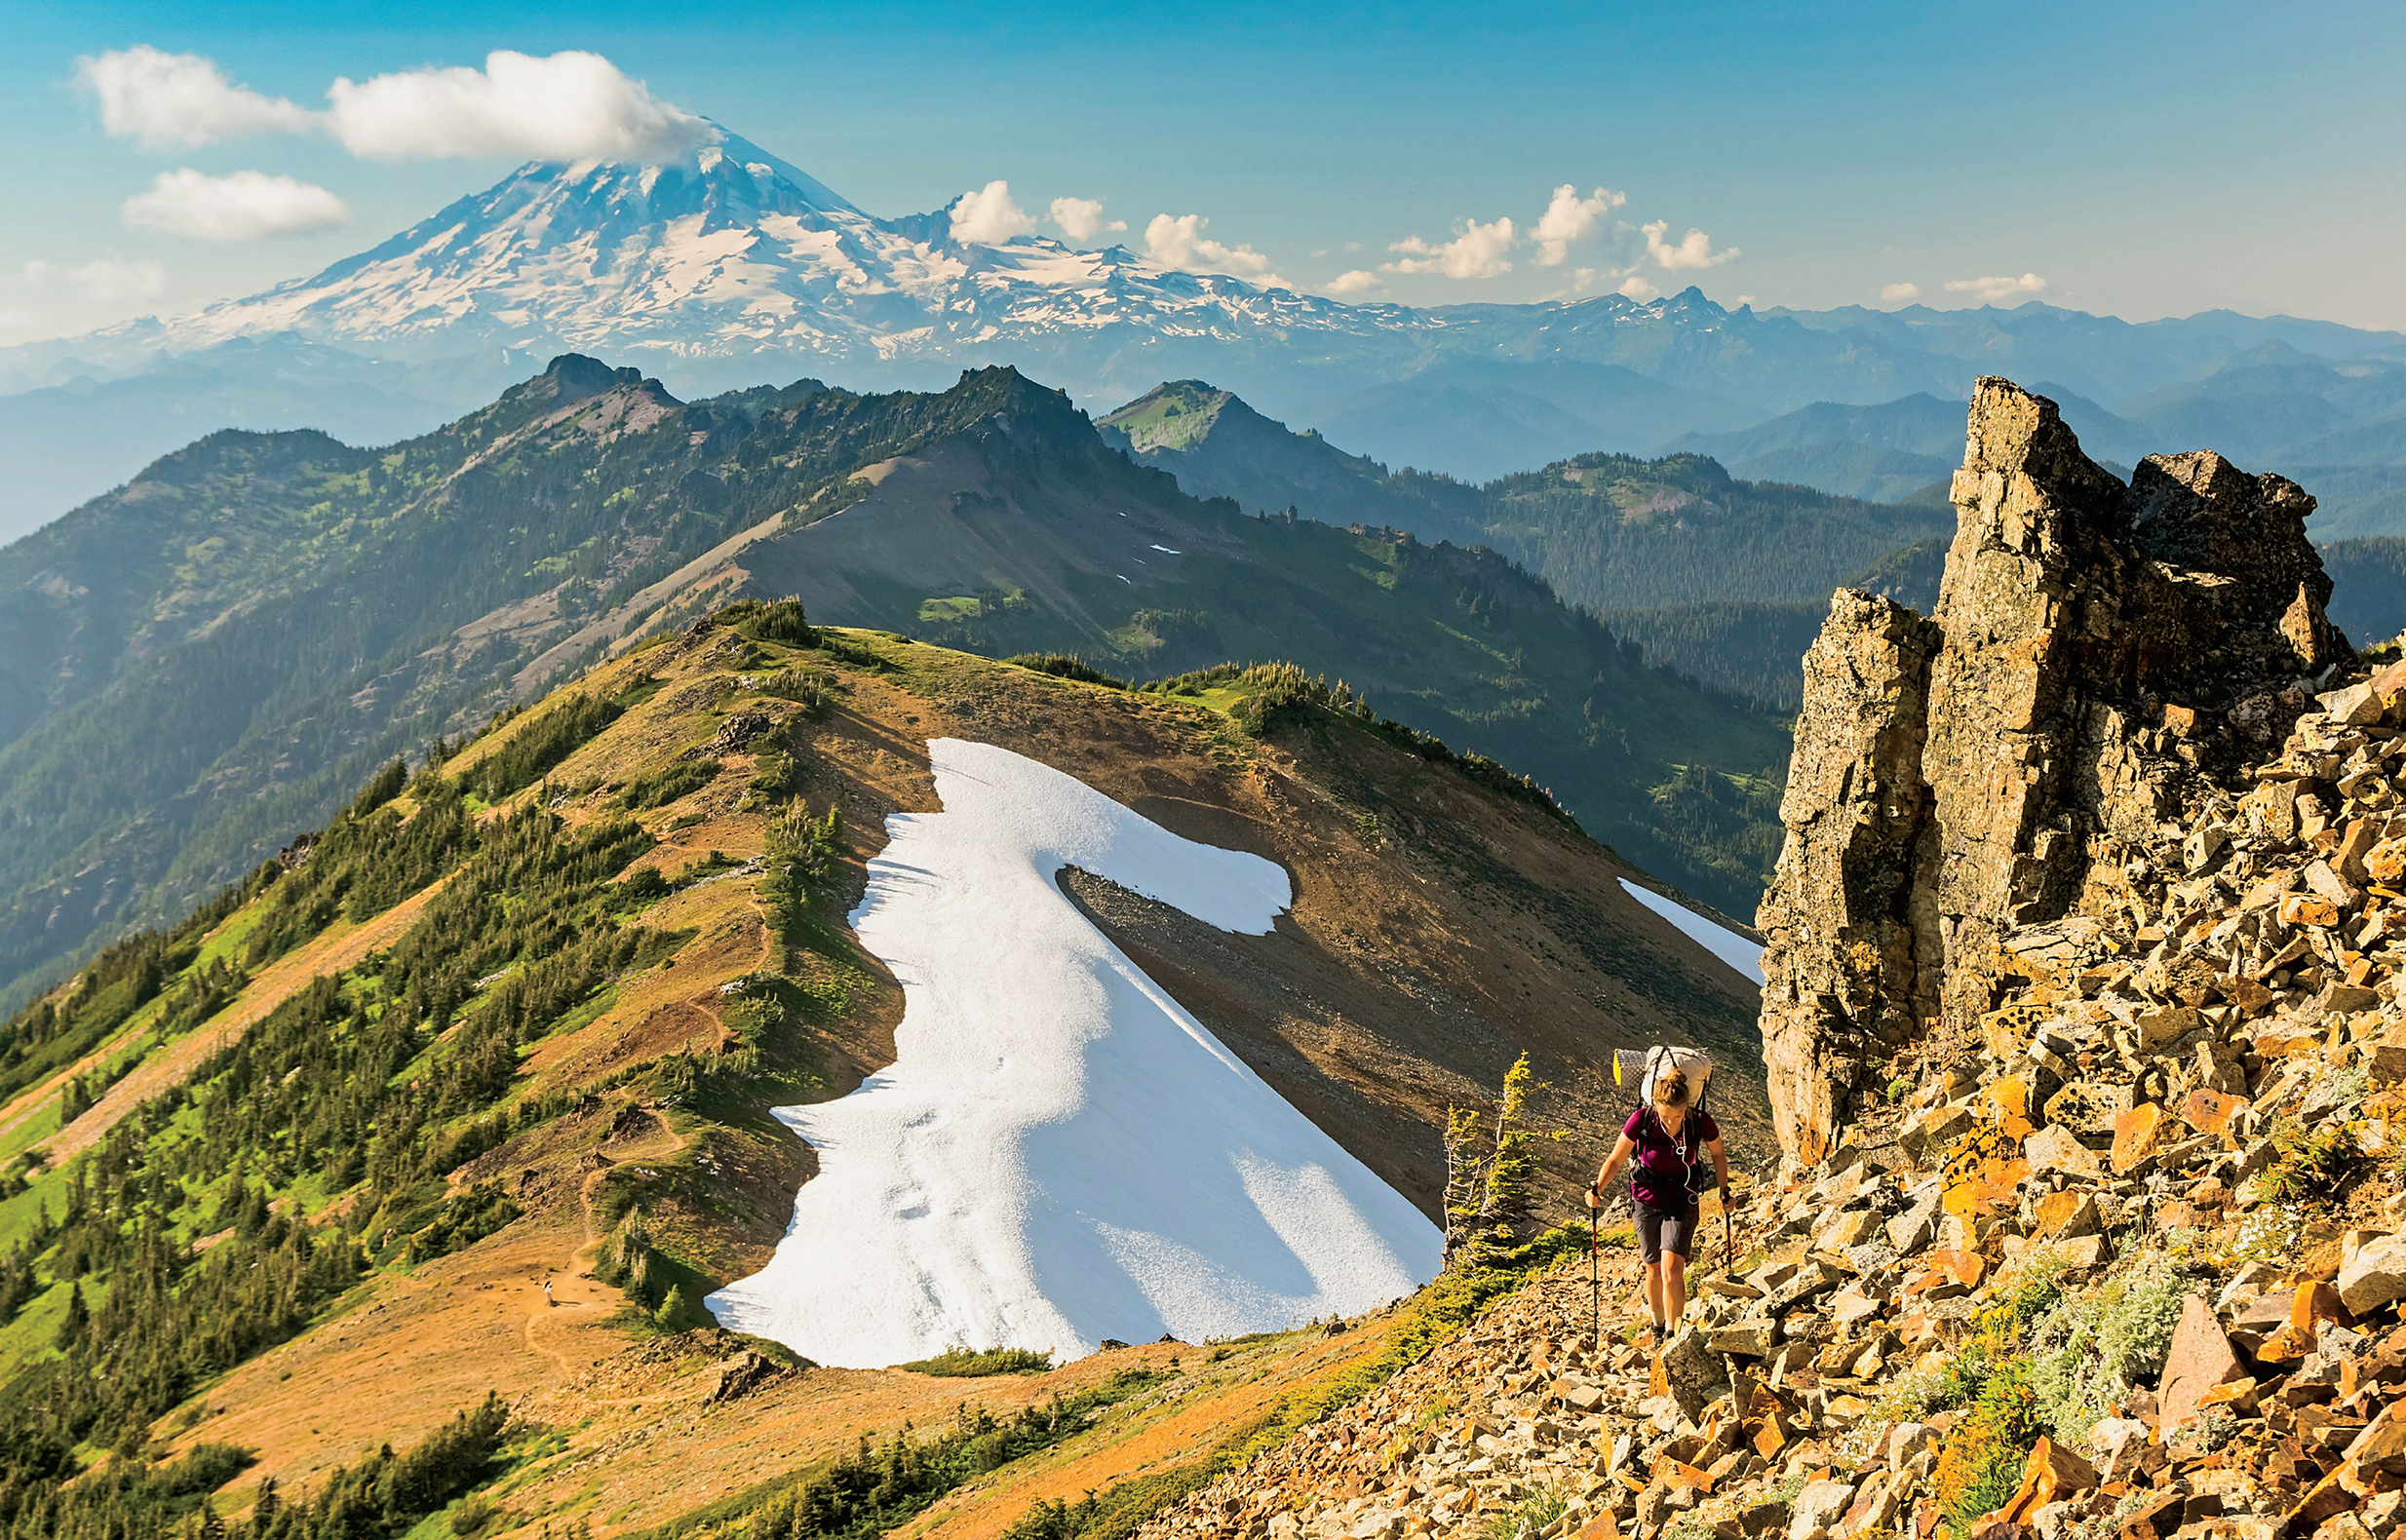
1679,1234
1649,1249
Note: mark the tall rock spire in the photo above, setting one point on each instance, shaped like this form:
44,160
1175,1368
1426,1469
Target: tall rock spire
1960,779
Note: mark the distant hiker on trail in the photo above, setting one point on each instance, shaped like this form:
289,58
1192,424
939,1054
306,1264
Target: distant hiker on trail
1667,1138
547,1291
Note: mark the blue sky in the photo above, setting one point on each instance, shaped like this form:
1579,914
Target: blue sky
2142,160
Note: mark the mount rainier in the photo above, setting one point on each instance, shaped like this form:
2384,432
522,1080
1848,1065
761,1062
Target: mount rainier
729,266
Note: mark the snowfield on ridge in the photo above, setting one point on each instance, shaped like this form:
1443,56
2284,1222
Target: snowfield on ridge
1742,954
1060,1153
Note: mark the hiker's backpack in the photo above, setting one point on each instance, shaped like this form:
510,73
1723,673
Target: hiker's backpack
1643,1066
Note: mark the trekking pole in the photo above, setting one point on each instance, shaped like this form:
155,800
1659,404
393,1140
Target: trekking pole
1595,1282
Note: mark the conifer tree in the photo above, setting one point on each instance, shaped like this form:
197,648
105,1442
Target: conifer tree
1492,1170
78,1319
674,1310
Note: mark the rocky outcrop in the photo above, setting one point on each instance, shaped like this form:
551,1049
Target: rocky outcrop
2099,654
1843,975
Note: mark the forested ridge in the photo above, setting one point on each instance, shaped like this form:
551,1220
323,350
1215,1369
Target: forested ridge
303,612
1616,532
204,1227
290,615
1723,579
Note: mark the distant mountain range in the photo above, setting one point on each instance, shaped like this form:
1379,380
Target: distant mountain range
732,268
2337,428
1718,567
1724,579
205,662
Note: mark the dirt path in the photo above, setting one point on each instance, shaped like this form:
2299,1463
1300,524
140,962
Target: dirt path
568,1297
577,1298
274,985
573,1300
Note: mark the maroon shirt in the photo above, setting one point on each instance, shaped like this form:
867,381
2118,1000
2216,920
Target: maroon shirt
1658,1168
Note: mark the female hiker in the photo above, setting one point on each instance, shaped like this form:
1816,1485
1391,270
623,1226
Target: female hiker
1666,1140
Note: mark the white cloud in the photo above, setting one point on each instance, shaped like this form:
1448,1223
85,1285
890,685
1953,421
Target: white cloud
242,207
1635,287
1082,218
987,216
1571,219
568,107
1353,283
1694,249
162,101
1992,291
1900,293
1180,242
105,280
1477,250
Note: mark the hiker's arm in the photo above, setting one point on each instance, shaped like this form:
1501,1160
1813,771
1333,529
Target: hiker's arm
1721,1170
1611,1168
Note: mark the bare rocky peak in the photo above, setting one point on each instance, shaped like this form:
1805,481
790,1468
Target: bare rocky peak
2102,657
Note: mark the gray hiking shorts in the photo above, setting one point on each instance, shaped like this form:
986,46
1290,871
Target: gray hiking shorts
1661,1230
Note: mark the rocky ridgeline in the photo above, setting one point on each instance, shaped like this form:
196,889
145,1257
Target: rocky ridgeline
1525,1411
2087,1033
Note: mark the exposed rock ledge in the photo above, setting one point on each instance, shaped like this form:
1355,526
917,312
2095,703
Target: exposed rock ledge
2101,657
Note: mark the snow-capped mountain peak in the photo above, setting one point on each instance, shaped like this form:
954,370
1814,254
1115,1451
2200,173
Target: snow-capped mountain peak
727,253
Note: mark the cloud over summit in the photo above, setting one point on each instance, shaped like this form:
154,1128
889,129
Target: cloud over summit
1483,250
1694,248
1998,291
569,106
1181,243
988,216
1477,250
1082,218
1570,218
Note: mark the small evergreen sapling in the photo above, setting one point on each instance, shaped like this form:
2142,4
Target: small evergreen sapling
1491,1172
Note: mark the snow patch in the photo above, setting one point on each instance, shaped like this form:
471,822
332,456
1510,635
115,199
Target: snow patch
1059,1152
1746,956
1167,551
